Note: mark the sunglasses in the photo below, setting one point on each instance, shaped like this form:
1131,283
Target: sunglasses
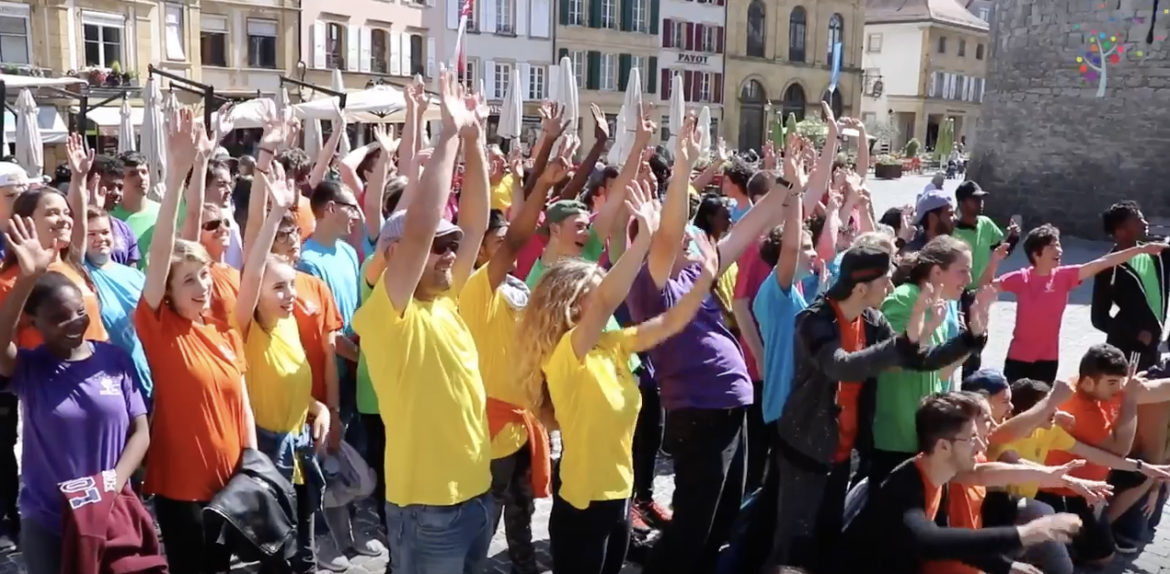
215,224
444,245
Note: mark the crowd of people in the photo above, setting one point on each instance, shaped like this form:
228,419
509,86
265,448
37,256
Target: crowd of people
488,329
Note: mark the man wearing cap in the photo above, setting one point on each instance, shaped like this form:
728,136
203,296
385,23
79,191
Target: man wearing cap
425,368
934,214
569,235
13,182
842,343
977,230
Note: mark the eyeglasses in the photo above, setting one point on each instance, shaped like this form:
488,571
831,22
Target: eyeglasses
288,235
350,206
215,224
443,245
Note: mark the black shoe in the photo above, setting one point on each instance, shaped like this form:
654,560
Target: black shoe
1126,546
7,543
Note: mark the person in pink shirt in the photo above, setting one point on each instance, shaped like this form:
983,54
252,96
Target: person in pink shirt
753,271
1041,291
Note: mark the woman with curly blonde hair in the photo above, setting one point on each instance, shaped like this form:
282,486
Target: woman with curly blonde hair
579,378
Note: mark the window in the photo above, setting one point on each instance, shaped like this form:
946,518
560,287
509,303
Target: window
836,36
794,102
680,34
609,18
536,83
936,85
639,62
576,12
103,38
379,51
505,18
473,17
796,33
609,72
262,44
962,48
979,51
664,128
875,44
985,14
704,87
641,20
417,63
334,46
942,44
213,40
580,65
708,39
833,98
14,39
503,78
470,77
756,29
173,33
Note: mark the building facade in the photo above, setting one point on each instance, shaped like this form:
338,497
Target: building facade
779,61
692,41
927,62
605,39
370,41
240,48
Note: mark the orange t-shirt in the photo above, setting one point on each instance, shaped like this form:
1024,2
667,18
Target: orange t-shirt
964,510
848,392
27,336
317,315
1093,426
931,491
197,430
225,289
306,222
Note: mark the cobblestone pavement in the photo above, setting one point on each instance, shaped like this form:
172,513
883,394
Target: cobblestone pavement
1077,335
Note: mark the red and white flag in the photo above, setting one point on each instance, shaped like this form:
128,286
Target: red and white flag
465,11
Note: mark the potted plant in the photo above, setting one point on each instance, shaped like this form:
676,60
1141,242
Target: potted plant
95,76
887,167
911,148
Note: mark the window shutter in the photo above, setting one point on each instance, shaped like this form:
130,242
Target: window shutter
689,42
404,53
319,44
717,89
668,33
654,10
623,71
593,71
665,84
538,27
562,53
688,85
432,54
594,13
520,14
364,61
651,75
719,2
719,39
487,21
353,49
563,9
396,54
525,86
453,14
627,15
489,79
699,38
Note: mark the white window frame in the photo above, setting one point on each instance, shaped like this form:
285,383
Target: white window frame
705,84
680,34
640,62
708,39
503,76
505,16
576,12
640,16
471,71
609,14
580,66
217,25
609,73
261,23
22,12
536,82
104,20
384,57
873,44
174,41
337,59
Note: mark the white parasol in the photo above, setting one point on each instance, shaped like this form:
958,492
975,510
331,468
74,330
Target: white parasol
153,144
705,133
30,149
338,85
512,109
126,128
678,109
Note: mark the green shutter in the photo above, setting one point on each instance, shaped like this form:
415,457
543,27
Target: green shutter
654,17
562,53
626,25
594,13
593,71
563,18
652,75
624,61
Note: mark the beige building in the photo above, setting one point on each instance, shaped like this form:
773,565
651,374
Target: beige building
368,40
930,57
779,60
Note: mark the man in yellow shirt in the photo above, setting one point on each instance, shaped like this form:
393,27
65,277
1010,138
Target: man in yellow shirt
423,362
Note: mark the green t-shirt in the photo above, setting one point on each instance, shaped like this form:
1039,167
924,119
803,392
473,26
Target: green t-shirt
982,238
592,251
1143,266
900,390
367,401
141,224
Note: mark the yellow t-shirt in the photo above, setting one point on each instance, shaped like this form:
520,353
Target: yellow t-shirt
597,402
492,322
502,193
279,378
425,371
725,291
1034,448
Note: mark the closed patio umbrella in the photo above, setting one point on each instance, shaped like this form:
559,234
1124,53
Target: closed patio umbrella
153,144
338,85
705,133
30,150
512,110
126,128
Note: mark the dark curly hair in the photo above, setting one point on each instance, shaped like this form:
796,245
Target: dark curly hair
1118,214
1039,238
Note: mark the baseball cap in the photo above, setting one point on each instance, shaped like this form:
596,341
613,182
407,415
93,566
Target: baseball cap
930,201
860,264
564,209
969,189
395,225
13,174
990,381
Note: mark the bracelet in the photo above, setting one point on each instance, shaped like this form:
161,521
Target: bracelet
262,171
271,151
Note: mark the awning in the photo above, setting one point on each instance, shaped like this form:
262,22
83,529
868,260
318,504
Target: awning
53,129
12,81
109,117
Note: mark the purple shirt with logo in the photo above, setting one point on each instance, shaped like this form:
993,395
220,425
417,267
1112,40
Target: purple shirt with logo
702,366
76,418
125,248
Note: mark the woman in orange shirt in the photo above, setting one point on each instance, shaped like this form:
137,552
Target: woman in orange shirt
202,417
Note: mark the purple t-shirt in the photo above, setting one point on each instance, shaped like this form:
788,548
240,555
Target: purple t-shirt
702,366
76,418
125,248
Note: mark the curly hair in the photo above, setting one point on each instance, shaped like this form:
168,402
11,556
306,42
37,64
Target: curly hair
1037,239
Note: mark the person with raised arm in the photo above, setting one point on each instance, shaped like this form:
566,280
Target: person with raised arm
427,367
202,417
210,226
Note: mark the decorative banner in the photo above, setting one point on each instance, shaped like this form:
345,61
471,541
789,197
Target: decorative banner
836,67
1094,64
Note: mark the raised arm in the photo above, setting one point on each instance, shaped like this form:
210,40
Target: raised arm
405,265
197,188
80,161
282,198
277,128
660,328
410,127
325,155
475,199
523,225
665,246
34,260
372,205
1041,413
585,170
1117,258
181,152
819,180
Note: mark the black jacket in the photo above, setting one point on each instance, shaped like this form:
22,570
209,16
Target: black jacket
1121,286
808,423
255,514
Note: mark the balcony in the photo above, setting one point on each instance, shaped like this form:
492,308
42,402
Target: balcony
99,77
28,70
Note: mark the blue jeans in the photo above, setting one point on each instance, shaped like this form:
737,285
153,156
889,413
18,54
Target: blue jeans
428,539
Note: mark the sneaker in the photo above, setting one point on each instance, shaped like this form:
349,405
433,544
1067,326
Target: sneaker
654,514
637,522
329,557
367,545
1126,546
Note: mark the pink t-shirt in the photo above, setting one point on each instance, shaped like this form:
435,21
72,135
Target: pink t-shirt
753,271
1040,303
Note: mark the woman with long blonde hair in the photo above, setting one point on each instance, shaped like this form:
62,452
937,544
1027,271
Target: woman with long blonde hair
580,377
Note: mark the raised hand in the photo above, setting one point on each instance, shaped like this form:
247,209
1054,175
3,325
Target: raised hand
456,116
687,144
600,124
80,160
384,135
181,139
978,317
721,151
479,110
1094,492
830,121
1001,252
224,123
555,171
282,196
33,257
418,94
551,115
275,128
644,208
708,254
646,126
204,146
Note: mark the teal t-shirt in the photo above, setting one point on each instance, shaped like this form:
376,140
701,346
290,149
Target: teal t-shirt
900,390
1143,265
982,238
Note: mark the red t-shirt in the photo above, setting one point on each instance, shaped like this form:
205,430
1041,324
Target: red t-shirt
753,271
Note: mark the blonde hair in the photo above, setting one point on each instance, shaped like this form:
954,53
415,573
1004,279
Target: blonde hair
876,240
553,309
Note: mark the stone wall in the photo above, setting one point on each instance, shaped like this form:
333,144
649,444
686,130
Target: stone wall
1050,148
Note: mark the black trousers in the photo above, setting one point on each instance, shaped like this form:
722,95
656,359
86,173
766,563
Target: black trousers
708,447
512,490
810,505
181,523
975,361
376,458
1045,371
305,560
647,442
759,440
9,476
589,541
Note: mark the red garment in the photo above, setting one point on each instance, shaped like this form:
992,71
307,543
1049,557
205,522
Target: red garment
107,532
501,414
753,271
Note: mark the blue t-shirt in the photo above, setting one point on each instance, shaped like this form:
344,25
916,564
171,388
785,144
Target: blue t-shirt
119,288
812,283
738,212
338,267
775,311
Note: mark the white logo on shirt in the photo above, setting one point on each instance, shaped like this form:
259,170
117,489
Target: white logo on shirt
109,387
